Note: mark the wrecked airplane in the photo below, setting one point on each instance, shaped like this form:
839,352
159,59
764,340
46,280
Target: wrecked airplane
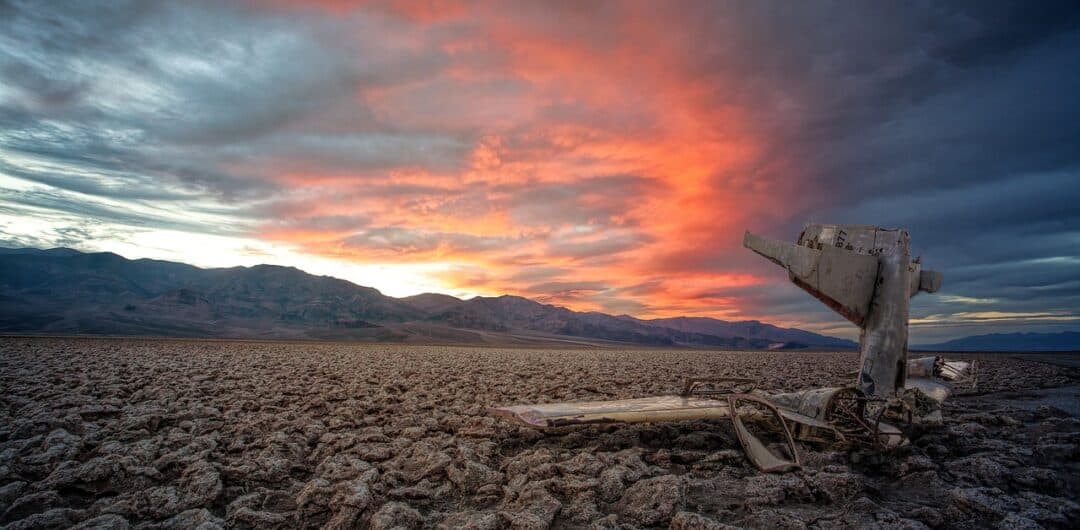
865,274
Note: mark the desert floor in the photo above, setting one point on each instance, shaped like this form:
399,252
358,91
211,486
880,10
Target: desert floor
188,434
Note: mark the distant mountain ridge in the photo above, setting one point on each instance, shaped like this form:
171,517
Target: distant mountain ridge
1028,342
64,291
751,329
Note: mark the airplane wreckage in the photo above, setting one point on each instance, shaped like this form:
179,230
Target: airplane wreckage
865,274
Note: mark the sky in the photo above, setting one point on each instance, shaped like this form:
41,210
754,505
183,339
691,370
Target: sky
596,155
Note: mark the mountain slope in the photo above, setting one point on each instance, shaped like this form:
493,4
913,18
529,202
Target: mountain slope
1064,341
509,313
66,291
432,302
106,294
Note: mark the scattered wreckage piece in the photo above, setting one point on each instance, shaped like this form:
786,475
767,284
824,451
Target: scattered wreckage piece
826,415
710,404
865,274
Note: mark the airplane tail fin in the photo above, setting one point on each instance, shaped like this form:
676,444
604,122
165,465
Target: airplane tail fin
841,279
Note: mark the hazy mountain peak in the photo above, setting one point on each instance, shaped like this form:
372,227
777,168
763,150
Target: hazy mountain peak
432,302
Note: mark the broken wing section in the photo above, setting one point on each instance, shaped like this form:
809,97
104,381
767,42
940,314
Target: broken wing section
739,408
642,410
842,279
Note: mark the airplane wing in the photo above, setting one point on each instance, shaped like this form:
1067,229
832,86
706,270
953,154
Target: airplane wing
735,407
650,409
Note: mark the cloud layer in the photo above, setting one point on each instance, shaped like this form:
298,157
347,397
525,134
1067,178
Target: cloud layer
603,155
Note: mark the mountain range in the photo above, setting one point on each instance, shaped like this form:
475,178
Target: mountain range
67,292
1009,342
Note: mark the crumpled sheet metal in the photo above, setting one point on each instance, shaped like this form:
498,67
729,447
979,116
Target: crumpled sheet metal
815,403
935,379
925,366
934,388
936,366
938,378
811,412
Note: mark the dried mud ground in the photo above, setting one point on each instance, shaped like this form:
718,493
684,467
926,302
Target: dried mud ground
103,433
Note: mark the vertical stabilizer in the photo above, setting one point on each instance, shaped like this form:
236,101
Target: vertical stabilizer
866,274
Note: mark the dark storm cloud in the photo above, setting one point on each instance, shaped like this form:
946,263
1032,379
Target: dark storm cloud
92,100
958,121
896,97
998,28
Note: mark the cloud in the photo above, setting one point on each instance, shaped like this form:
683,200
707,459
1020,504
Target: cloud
605,155
587,245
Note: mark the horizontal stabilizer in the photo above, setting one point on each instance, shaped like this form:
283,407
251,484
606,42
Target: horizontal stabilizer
929,281
842,279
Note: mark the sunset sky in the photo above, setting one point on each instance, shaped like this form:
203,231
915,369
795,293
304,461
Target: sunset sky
598,155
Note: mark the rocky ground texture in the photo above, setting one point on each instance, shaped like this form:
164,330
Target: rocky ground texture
99,433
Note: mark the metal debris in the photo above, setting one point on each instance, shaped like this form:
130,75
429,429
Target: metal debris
865,274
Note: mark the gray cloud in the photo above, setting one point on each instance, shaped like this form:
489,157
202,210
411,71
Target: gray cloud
165,94
404,241
595,201
958,121
590,247
333,223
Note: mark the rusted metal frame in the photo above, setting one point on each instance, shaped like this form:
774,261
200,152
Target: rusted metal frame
852,409
876,431
745,436
868,432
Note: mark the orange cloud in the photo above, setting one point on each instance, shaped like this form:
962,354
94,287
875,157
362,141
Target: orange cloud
580,155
